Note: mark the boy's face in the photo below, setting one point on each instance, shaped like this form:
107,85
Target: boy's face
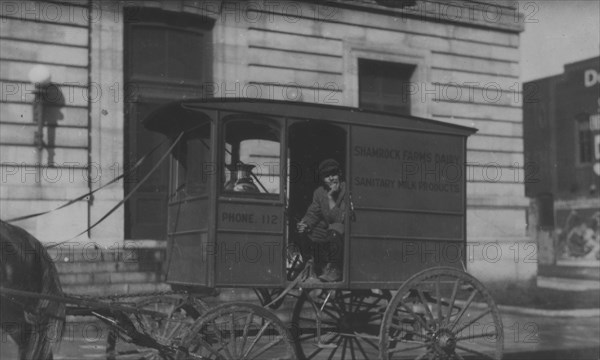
332,181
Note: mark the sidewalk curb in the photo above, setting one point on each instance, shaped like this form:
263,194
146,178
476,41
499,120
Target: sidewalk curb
577,313
520,310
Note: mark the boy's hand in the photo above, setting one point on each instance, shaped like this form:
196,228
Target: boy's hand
302,227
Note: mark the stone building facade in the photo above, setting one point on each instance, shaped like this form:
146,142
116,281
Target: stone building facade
112,61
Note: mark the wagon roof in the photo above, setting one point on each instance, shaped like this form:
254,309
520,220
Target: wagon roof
180,115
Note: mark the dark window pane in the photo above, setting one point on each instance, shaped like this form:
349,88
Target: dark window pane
198,156
369,83
185,55
148,51
163,49
384,86
585,139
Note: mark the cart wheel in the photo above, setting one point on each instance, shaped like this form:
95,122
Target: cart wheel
338,324
442,313
169,330
237,331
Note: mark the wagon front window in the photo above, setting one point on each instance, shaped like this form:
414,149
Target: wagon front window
191,164
251,157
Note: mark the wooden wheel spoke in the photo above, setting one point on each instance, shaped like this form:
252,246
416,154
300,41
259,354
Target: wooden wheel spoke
232,339
177,327
314,353
368,341
336,348
452,301
222,341
331,315
438,297
464,326
416,316
415,347
401,319
344,347
361,349
245,330
206,346
351,347
333,306
424,302
464,309
256,338
266,347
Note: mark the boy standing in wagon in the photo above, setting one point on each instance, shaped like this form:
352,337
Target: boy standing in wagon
324,221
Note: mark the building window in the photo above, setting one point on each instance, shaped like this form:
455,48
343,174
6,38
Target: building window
585,140
167,48
385,86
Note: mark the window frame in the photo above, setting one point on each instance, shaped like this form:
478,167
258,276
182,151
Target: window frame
278,123
176,166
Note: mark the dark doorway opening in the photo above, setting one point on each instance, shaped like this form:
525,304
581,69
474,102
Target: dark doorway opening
167,57
310,142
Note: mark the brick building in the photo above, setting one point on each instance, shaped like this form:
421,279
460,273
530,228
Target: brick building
111,62
562,151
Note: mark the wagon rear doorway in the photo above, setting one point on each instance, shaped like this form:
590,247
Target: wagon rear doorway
309,143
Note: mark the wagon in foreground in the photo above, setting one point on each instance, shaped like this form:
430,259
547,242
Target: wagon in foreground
241,176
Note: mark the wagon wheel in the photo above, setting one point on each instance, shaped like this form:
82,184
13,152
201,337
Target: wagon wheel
442,313
238,331
338,324
167,330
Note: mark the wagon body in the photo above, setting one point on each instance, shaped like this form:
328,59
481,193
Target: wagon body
406,181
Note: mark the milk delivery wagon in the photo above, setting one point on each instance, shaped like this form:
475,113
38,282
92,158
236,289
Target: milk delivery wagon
242,174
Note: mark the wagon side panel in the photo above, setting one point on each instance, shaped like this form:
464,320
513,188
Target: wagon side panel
188,245
408,191
189,249
249,245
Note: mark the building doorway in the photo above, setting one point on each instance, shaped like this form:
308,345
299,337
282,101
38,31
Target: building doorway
168,57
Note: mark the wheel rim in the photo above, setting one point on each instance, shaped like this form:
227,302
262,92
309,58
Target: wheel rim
442,313
349,323
239,331
167,330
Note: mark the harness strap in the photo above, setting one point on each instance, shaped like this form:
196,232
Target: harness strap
140,183
81,197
